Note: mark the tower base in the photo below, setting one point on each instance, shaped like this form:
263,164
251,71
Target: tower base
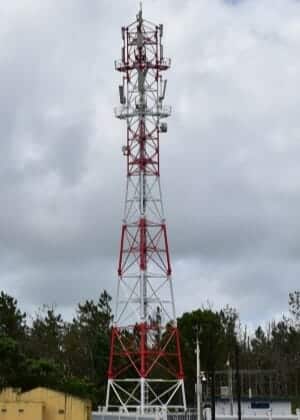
145,395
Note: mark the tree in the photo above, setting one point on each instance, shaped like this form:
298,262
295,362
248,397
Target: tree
212,343
12,320
42,372
86,342
294,307
12,363
46,335
229,318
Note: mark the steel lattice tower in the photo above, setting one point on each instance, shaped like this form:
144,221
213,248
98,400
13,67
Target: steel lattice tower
145,367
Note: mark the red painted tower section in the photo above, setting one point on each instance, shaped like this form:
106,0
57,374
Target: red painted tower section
145,367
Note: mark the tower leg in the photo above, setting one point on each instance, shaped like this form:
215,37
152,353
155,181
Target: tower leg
107,395
142,395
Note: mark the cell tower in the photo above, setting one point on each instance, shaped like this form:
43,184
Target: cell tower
145,367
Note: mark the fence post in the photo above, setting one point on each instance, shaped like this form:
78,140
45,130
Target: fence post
270,414
298,413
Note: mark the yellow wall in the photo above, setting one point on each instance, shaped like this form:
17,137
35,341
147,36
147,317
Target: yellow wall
21,411
42,404
59,406
9,394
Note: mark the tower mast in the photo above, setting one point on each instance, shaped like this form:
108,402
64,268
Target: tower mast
145,367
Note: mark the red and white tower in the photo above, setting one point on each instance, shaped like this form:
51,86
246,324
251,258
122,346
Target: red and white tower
145,367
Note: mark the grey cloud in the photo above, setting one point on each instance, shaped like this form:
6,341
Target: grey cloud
229,161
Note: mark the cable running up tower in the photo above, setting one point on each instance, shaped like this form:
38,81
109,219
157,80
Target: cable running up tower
145,367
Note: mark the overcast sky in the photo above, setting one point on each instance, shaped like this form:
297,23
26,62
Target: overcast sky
230,160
